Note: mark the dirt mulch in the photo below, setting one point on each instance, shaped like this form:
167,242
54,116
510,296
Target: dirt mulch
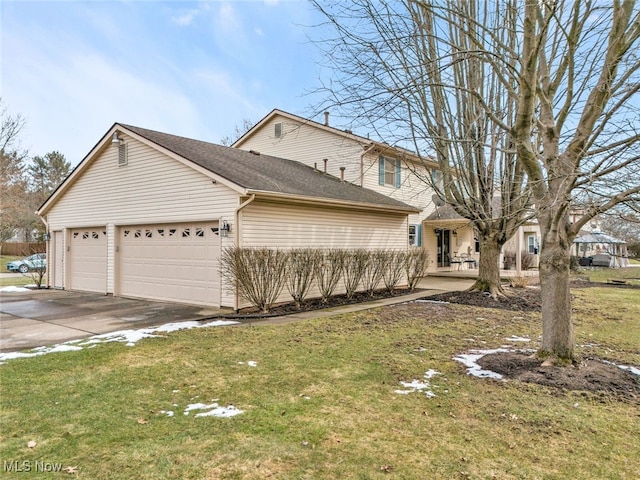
516,299
591,375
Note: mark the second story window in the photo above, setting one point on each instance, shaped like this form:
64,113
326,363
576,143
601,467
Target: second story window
389,171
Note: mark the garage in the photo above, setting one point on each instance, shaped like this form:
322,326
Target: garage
88,259
171,262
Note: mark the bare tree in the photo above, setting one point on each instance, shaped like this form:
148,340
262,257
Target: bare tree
577,132
422,76
13,181
238,131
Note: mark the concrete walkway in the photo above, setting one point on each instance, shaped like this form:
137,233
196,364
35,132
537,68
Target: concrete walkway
428,286
45,317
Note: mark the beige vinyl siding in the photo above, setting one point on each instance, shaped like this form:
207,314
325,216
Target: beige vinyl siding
286,226
308,145
152,188
295,226
413,190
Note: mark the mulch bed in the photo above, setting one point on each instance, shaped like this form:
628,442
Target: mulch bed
590,375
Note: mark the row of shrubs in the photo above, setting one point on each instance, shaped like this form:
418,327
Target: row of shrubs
260,274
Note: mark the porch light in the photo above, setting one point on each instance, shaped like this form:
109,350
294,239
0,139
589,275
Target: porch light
115,140
226,228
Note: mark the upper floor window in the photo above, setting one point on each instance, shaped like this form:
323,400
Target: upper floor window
389,171
415,236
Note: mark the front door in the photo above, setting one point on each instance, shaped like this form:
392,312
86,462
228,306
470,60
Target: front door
56,263
443,238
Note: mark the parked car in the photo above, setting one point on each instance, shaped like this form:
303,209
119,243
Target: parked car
32,262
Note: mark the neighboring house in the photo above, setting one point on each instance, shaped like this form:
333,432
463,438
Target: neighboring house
146,214
391,171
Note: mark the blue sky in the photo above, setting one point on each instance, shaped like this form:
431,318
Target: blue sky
197,69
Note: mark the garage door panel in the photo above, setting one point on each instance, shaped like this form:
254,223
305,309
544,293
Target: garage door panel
175,262
88,259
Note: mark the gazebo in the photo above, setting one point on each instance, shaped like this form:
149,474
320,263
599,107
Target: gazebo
601,249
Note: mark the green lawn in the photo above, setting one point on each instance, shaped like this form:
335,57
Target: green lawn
321,401
598,274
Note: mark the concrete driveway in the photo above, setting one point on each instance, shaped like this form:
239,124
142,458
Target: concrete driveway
45,317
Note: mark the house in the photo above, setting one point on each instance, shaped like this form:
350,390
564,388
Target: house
146,215
392,171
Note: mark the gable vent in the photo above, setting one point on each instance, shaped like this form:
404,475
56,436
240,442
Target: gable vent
123,158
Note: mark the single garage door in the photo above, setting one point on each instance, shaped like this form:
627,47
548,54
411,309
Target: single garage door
175,262
88,259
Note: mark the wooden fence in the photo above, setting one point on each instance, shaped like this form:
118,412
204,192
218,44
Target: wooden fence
22,249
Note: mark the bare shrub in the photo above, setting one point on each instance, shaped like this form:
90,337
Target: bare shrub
394,269
328,272
257,273
374,271
301,266
527,260
415,265
355,263
518,282
37,269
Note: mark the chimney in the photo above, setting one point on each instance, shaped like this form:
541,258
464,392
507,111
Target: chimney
342,169
326,118
325,160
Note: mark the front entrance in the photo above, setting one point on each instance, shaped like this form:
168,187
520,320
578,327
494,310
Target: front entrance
444,240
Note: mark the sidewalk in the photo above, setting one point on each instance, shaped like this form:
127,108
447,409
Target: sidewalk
428,286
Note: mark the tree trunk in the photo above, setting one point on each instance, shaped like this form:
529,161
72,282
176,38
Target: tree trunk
557,327
489,266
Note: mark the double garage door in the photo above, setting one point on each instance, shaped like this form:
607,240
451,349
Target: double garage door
172,262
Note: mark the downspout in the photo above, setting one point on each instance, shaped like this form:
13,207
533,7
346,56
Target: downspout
45,220
366,150
236,217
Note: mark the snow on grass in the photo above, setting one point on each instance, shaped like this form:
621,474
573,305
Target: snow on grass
14,289
214,410
514,338
470,360
130,337
629,368
419,386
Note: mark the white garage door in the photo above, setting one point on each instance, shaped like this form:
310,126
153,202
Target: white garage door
175,262
88,259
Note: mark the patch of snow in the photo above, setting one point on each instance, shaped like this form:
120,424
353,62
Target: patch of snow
419,386
14,289
168,413
470,360
214,410
514,338
130,337
251,363
37,351
629,368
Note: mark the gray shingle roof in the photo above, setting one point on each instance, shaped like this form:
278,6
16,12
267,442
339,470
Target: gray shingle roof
264,173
